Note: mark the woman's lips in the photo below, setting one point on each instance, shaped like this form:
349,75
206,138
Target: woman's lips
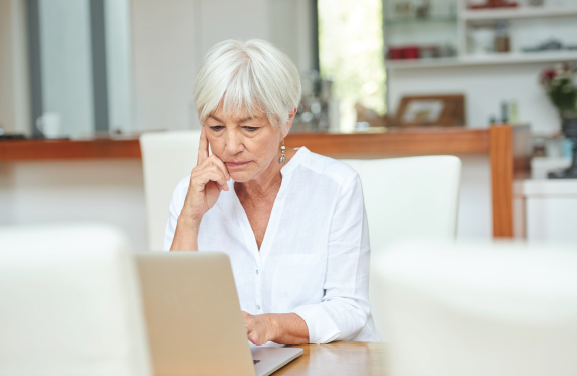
236,164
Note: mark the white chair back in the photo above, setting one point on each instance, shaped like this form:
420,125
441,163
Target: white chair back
167,157
407,198
498,310
70,303
414,197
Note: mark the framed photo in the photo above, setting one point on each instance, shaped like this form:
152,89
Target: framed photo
431,110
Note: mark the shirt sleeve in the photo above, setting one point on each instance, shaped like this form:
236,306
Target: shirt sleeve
174,209
345,307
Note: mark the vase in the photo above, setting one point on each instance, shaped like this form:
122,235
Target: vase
570,131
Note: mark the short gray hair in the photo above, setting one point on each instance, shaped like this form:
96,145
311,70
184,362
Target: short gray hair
251,75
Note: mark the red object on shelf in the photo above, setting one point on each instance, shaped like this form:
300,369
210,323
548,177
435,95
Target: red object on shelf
404,52
411,52
495,4
395,53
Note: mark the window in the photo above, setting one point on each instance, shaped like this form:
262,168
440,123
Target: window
351,55
80,65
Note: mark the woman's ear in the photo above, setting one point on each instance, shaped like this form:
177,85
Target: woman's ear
289,122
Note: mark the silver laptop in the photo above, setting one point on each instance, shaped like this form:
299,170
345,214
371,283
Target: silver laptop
195,326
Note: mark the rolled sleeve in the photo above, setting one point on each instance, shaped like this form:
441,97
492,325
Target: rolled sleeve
345,307
322,328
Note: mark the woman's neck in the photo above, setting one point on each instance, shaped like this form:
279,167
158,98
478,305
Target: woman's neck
267,183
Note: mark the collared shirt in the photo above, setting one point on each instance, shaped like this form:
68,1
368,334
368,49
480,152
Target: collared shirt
314,258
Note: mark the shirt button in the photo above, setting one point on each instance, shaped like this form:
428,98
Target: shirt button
258,307
257,271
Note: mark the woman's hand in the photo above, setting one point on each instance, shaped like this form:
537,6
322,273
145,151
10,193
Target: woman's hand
207,180
260,328
284,328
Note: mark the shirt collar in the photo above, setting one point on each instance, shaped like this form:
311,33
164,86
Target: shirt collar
301,153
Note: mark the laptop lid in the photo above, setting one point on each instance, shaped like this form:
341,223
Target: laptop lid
195,326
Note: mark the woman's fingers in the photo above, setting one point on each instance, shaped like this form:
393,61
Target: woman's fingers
257,331
202,147
205,158
210,173
251,327
253,337
214,174
216,161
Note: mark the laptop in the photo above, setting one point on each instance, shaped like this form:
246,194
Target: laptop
195,326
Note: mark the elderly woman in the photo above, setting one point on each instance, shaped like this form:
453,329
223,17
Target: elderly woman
292,222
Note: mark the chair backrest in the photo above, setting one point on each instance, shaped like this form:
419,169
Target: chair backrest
407,198
167,157
414,197
497,310
70,303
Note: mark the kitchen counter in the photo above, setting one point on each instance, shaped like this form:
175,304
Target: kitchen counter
508,148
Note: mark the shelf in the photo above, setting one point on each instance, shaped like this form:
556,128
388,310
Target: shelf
416,21
496,59
518,13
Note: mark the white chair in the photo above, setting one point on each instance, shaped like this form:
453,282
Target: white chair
499,310
407,198
413,197
70,303
167,157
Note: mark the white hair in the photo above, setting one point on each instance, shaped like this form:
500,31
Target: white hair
252,76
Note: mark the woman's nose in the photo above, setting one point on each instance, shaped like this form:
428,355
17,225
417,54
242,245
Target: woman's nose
234,142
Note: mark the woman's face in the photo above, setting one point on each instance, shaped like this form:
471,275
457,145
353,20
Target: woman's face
247,145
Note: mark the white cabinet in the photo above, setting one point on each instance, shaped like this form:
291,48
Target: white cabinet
550,210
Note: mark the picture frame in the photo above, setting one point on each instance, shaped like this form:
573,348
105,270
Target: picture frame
447,110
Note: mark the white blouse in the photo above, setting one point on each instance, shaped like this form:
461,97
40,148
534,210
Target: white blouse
314,258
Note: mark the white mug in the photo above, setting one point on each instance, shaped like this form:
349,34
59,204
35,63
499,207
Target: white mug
50,124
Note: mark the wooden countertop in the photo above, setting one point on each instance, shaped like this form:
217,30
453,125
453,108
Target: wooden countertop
338,358
408,141
509,149
415,141
40,149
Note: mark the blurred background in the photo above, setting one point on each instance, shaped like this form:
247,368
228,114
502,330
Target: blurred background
90,69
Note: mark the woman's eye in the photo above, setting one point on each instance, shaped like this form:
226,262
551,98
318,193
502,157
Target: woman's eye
251,129
217,128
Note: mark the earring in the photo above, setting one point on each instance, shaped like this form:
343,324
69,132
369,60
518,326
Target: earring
282,158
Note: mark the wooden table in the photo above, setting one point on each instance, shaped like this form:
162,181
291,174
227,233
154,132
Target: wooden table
508,147
338,358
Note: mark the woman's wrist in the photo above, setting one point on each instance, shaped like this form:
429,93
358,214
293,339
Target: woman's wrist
275,326
188,221
185,234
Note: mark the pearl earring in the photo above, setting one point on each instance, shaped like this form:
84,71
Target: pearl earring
282,158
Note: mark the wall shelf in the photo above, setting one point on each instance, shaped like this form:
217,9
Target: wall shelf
414,20
493,59
517,13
